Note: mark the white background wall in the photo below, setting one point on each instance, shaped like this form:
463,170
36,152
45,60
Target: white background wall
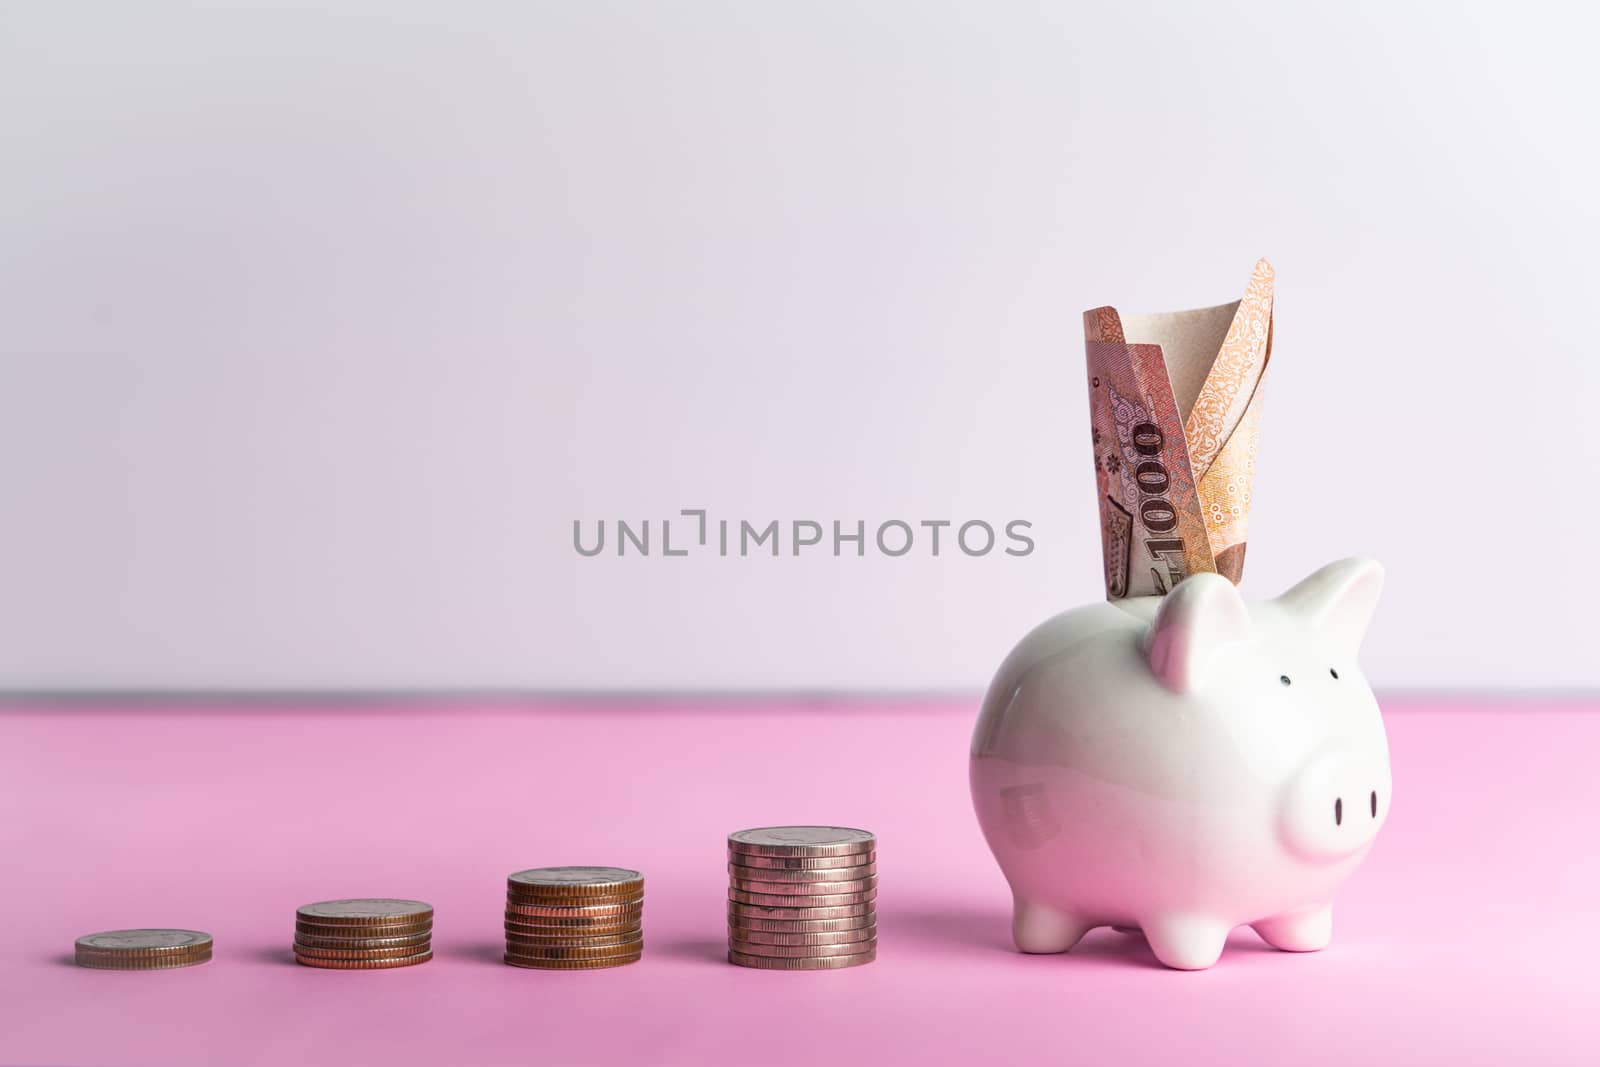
321,322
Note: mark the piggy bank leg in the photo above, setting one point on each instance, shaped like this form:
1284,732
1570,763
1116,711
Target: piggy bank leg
1041,928
1300,931
1186,942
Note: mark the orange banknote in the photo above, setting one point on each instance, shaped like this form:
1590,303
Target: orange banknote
1175,410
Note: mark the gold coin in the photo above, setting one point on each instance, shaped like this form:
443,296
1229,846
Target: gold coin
133,957
570,965
803,900
738,935
800,963
805,889
536,934
739,872
802,926
362,933
366,911
631,937
418,940
629,909
536,925
143,963
604,925
559,952
808,913
853,948
802,863
576,883
317,952
364,965
809,841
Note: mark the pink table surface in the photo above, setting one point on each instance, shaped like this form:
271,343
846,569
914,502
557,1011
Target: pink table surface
1470,936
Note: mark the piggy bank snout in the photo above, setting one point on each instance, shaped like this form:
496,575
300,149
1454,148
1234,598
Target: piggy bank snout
1334,806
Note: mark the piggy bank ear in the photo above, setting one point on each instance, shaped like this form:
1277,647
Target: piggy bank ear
1339,599
1201,615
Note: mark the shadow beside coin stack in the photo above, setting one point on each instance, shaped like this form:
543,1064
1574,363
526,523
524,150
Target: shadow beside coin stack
802,898
363,934
574,918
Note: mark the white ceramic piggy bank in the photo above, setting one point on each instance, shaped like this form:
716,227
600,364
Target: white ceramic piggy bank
1186,764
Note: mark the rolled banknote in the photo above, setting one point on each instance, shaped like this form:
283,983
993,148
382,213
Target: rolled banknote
1175,409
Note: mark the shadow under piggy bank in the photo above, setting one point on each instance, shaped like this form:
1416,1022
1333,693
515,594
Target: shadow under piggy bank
986,932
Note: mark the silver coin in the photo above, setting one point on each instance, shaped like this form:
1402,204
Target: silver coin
810,913
365,910
738,935
615,878
802,863
152,941
792,900
802,926
801,841
805,889
803,963
806,951
829,874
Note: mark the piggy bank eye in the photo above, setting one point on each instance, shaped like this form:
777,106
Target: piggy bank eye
1334,673
1284,679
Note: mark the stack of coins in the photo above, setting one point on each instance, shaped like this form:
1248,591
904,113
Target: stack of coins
802,898
574,918
363,934
142,950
